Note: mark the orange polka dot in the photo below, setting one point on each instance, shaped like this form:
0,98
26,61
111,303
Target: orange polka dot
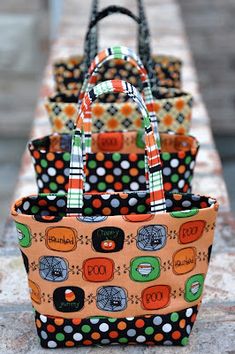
36,154
52,208
179,104
112,123
59,321
109,179
158,337
38,169
99,156
139,323
193,318
138,123
60,179
121,325
97,110
133,157
181,130
118,186
108,164
168,120
181,169
167,186
38,323
76,321
69,343
134,172
95,335
58,123
176,335
87,342
177,196
113,334
59,164
124,211
126,109
181,154
50,156
51,328
182,323
70,110
96,203
106,211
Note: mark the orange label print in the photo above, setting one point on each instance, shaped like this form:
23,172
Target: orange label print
110,142
156,297
98,269
184,261
35,292
61,239
191,231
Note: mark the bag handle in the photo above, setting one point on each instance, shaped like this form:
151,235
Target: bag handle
127,54
76,176
143,37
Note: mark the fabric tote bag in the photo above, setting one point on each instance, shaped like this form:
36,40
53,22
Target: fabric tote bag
101,270
69,73
115,112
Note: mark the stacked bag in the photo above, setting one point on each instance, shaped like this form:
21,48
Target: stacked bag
115,246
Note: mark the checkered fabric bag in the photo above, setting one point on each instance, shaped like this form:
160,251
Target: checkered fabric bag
115,268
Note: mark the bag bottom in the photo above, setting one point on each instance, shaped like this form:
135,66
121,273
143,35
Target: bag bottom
171,329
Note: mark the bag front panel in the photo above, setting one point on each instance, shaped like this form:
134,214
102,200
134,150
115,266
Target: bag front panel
117,266
116,171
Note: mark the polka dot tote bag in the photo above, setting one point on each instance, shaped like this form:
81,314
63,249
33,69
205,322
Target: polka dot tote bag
115,267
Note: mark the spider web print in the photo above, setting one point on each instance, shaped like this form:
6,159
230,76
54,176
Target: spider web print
111,298
53,268
152,237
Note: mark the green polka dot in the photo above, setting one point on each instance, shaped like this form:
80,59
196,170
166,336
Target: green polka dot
92,164
66,156
88,211
149,330
86,329
53,186
174,178
44,163
123,340
111,320
141,164
116,156
188,160
174,317
184,341
101,186
60,336
126,179
34,209
190,179
141,208
166,156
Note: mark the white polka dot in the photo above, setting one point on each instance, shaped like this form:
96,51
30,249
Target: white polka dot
105,341
130,318
115,203
87,187
51,171
43,318
77,336
94,320
93,179
26,205
45,178
131,332
181,183
66,171
141,179
188,329
125,164
167,327
44,335
189,312
167,342
187,174
133,201
68,329
117,172
166,171
100,171
186,203
105,196
140,339
169,203
134,186
40,183
157,320
51,344
51,197
104,327
192,164
174,163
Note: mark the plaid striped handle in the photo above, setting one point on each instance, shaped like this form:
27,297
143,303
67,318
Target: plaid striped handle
127,54
76,177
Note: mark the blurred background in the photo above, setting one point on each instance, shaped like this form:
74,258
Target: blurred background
28,27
